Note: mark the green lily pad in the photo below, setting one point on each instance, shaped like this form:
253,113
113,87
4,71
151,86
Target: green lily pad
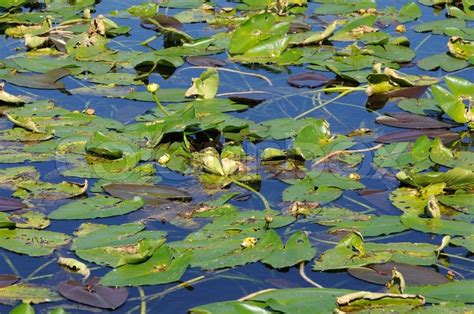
456,291
461,200
443,61
116,245
99,206
10,177
456,178
467,242
28,219
27,293
297,249
32,242
49,191
163,267
437,225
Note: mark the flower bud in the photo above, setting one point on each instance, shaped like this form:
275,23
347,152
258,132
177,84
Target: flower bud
153,87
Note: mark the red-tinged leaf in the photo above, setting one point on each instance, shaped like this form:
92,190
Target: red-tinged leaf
93,294
307,79
151,194
414,275
411,135
165,21
250,100
7,280
408,92
296,27
205,61
7,204
411,121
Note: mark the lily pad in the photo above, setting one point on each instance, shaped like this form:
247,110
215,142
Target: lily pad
7,280
414,275
27,293
297,249
7,204
163,267
94,294
151,194
411,121
98,206
32,242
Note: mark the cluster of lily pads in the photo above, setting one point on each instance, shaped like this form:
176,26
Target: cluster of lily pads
112,168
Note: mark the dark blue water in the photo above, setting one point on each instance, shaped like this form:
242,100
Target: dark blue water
348,114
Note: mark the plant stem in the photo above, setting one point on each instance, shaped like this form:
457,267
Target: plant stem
260,195
323,104
340,152
306,278
143,300
253,295
160,106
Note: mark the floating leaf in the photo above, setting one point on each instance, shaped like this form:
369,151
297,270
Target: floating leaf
151,194
411,121
456,291
23,308
443,61
437,225
11,99
363,300
297,249
205,61
456,178
461,200
98,206
32,242
467,242
445,135
414,275
205,86
7,204
409,12
117,245
48,80
452,101
163,267
7,280
27,293
307,79
93,294
49,191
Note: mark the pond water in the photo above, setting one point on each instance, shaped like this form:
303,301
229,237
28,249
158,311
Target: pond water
281,100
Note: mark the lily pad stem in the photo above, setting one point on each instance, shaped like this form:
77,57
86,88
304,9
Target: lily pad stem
254,294
142,301
306,278
149,40
160,106
260,195
344,93
340,152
